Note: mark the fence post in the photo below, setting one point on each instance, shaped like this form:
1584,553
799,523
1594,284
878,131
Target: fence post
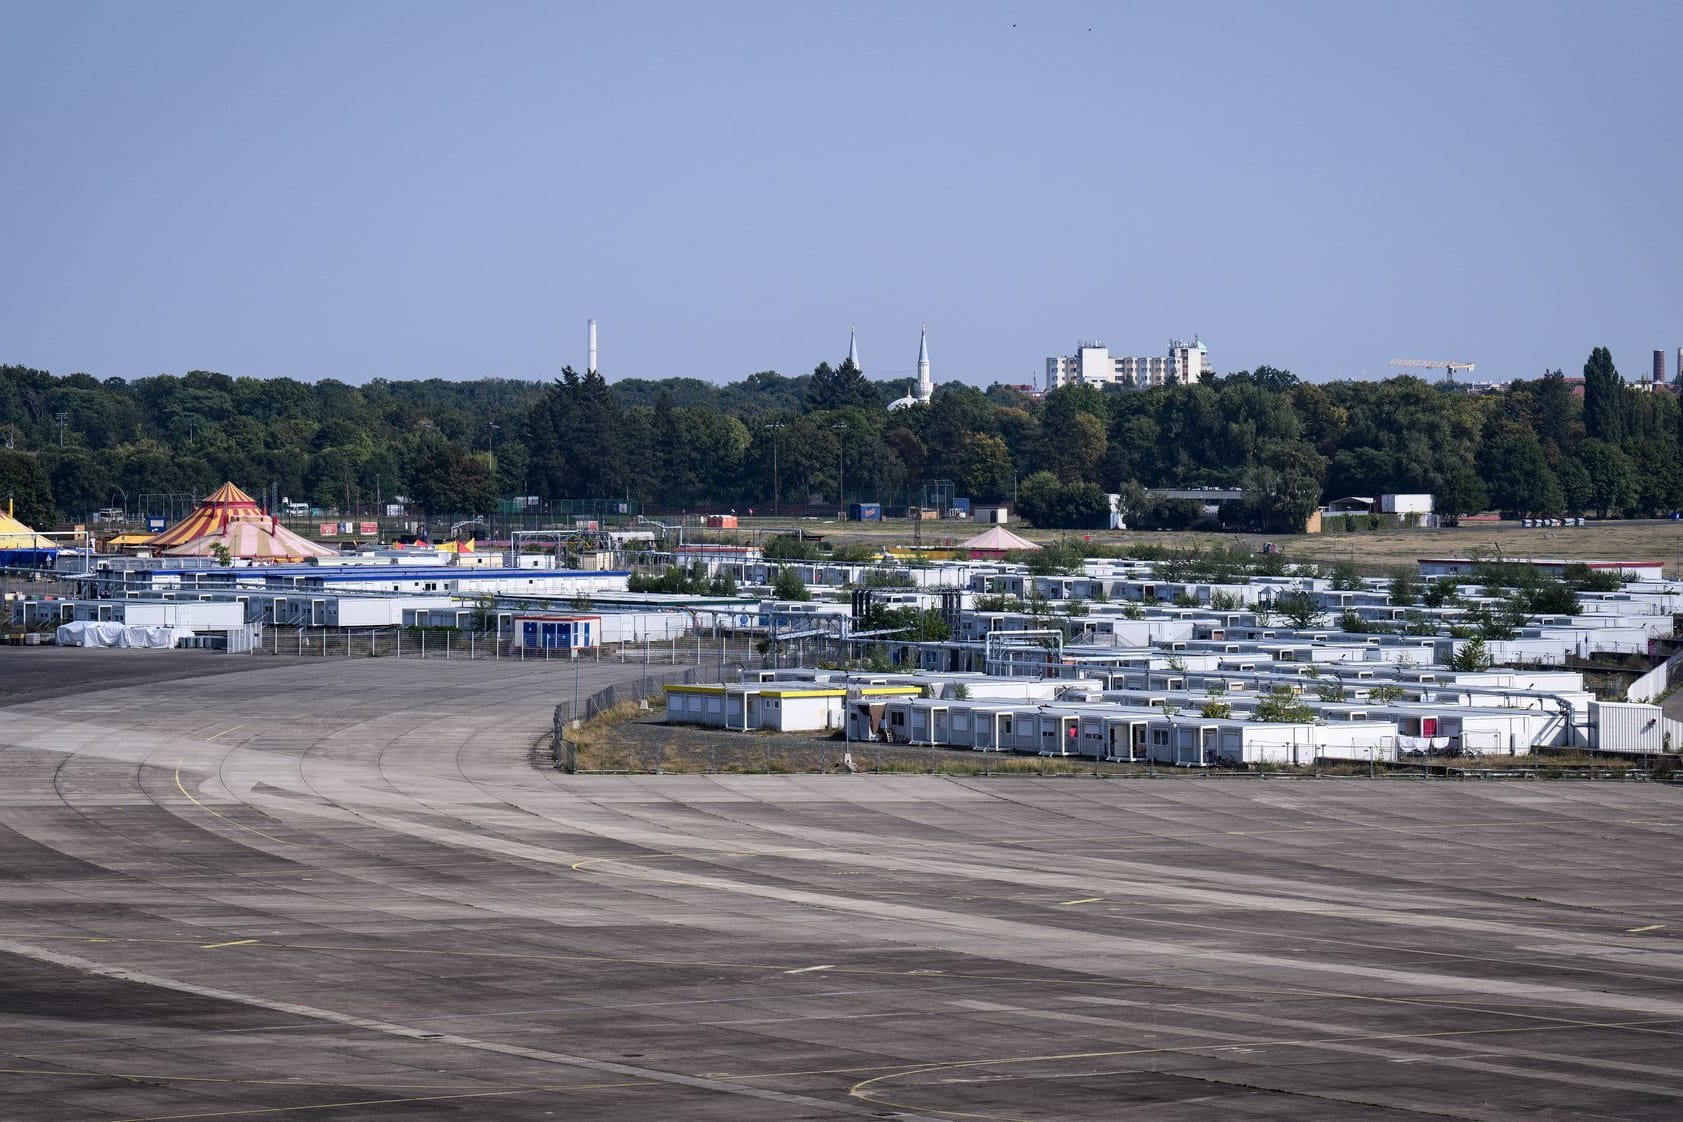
557,739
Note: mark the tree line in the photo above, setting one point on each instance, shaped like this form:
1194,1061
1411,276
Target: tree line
1547,446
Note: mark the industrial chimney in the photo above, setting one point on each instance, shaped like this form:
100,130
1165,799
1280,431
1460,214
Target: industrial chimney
590,363
1659,368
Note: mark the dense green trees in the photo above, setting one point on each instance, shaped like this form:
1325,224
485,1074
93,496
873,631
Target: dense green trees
1605,398
1611,476
448,479
321,443
25,487
1543,447
1046,500
1283,484
1518,477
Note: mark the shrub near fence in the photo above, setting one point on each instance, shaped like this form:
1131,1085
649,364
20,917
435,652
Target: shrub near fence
565,751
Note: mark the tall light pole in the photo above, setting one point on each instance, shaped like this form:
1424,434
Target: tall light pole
490,531
841,471
772,427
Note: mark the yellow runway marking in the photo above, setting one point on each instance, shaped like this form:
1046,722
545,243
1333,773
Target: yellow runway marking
1638,930
1083,900
230,943
182,788
225,732
638,858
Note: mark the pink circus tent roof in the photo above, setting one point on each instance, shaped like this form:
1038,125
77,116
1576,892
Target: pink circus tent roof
999,539
252,539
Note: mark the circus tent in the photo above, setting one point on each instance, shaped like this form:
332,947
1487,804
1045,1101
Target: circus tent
15,535
228,503
254,539
20,545
995,542
230,518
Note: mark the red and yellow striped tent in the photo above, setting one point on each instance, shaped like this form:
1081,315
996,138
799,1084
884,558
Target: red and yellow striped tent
228,504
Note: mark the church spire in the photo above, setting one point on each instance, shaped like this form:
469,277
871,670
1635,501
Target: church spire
853,347
925,388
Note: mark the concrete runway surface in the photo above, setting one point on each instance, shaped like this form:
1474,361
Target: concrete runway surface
323,889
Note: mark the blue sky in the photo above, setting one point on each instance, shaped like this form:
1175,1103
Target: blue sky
401,190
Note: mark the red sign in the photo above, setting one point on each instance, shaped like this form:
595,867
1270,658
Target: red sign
329,529
368,529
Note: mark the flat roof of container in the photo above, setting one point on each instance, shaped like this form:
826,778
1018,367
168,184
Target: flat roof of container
1533,561
391,572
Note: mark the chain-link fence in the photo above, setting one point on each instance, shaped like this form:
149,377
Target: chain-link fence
717,658
383,642
565,749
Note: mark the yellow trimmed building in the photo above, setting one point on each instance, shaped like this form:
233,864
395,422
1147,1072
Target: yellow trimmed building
779,706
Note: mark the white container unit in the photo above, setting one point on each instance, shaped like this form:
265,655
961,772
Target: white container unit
1298,745
378,611
1628,727
198,615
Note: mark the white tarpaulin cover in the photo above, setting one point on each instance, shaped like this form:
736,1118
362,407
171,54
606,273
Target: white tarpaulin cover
87,633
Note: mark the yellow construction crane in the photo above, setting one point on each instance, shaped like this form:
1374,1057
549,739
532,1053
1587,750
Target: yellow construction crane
1441,364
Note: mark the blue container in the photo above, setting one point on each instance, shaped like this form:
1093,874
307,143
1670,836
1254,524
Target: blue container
865,512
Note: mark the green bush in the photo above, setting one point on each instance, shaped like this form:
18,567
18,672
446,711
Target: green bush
787,547
1280,706
788,585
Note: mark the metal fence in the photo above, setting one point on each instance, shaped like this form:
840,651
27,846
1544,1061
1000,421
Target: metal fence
565,750
715,656
382,642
